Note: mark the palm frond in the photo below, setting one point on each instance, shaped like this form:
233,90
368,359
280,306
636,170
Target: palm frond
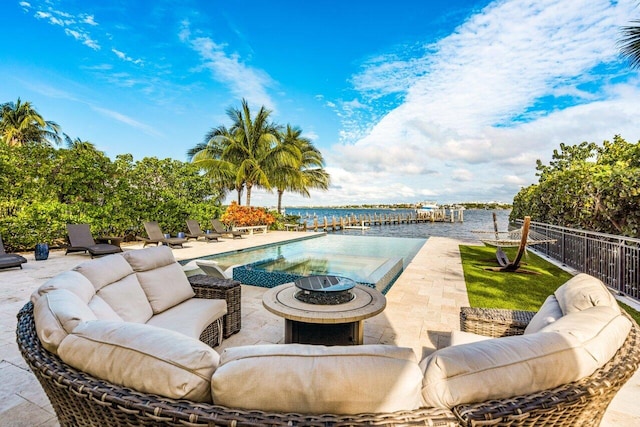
630,43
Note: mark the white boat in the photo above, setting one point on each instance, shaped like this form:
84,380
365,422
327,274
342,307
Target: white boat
425,207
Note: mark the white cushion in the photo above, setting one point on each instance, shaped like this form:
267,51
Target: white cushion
584,291
149,258
102,310
549,312
461,337
160,276
601,330
69,280
115,282
165,287
105,270
127,298
566,350
143,357
56,314
318,379
191,317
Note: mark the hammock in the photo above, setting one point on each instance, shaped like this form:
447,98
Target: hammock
517,238
511,239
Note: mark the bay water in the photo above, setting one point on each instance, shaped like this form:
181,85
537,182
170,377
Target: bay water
474,219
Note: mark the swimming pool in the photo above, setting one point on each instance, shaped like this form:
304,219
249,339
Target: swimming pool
374,261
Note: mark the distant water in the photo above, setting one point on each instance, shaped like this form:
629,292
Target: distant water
474,219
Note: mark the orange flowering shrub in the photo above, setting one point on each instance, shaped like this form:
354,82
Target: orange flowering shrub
241,216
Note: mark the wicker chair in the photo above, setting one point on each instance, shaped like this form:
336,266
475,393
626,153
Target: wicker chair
81,400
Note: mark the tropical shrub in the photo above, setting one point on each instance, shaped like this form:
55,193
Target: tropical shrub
240,216
587,186
45,188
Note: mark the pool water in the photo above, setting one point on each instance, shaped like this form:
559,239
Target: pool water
374,261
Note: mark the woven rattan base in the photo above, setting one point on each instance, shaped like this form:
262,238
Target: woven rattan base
82,400
230,290
581,403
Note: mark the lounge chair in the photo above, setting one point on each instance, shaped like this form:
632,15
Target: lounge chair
218,227
81,240
196,232
10,260
211,268
156,236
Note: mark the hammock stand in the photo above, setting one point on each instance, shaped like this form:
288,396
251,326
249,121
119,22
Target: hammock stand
517,238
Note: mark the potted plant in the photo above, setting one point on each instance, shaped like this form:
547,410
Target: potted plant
42,251
41,238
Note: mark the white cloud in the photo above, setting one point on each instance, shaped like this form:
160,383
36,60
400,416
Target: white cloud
90,20
127,120
469,119
99,67
83,37
47,16
125,57
73,25
462,175
311,135
242,80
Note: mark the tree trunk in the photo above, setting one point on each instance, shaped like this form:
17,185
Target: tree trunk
280,192
249,194
239,190
604,212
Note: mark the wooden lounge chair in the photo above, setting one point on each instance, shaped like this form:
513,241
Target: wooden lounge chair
196,232
156,236
218,227
10,260
81,240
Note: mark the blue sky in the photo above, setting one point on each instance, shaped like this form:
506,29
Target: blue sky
407,100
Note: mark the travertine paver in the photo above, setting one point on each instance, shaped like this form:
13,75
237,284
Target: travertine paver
422,308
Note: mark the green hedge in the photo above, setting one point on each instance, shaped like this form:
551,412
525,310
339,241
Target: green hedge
45,188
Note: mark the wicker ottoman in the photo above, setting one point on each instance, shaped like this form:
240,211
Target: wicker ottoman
228,289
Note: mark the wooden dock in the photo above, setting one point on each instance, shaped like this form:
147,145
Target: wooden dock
366,221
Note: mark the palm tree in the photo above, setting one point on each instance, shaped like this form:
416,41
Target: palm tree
220,172
78,144
254,147
307,172
21,124
249,149
630,43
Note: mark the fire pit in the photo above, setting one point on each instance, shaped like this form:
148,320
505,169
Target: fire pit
324,290
324,324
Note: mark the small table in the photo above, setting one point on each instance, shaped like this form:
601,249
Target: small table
228,289
338,324
112,240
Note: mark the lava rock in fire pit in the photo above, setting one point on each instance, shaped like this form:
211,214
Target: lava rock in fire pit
324,290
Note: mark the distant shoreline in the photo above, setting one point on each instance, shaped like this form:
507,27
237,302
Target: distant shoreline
407,206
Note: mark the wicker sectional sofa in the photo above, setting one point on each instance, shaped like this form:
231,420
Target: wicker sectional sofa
561,366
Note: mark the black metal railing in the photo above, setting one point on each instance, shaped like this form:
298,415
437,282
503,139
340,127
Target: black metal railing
613,259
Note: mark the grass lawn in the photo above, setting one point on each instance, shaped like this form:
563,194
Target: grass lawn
515,291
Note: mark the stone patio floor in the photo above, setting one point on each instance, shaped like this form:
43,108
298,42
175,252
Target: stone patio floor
422,308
